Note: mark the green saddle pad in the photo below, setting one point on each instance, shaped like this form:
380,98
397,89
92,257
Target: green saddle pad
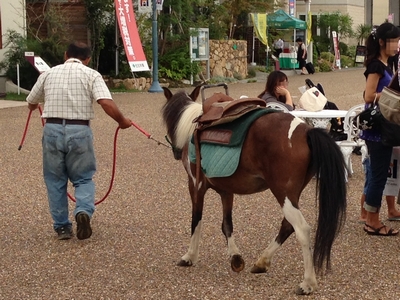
218,160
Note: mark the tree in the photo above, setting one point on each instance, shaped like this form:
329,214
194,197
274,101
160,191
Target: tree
338,22
362,33
237,8
99,13
329,22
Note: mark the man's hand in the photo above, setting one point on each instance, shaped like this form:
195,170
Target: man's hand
126,123
33,106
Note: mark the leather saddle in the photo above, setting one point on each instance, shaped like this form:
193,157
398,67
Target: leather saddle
221,108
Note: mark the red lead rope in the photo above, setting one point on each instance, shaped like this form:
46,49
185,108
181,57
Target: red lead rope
114,151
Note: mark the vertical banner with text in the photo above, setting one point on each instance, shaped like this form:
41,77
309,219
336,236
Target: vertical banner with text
260,27
130,36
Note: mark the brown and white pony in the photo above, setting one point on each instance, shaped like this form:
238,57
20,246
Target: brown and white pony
280,153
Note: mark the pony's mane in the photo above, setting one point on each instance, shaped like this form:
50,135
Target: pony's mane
185,127
179,113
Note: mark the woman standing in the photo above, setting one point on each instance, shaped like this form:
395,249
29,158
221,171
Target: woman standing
276,90
301,55
381,44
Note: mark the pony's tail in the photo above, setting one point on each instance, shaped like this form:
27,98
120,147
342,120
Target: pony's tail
328,163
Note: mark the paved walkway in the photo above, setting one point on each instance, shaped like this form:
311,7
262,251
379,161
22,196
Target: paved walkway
11,103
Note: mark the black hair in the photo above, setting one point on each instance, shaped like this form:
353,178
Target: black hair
299,40
273,80
78,50
384,32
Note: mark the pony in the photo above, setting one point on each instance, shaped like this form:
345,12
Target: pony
281,153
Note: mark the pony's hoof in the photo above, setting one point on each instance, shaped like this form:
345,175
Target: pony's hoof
184,263
301,291
257,270
237,263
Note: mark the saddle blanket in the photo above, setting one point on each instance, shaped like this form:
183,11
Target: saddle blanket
222,160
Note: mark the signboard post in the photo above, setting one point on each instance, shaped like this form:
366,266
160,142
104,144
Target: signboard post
199,47
37,62
360,54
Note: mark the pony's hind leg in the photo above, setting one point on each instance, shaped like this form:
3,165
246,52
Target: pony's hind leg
192,255
302,229
264,261
237,262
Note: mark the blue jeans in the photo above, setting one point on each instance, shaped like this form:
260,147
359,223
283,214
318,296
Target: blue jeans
380,157
68,154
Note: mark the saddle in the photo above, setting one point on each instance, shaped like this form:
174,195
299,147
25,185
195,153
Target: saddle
221,108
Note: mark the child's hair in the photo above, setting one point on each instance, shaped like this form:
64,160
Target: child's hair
299,40
383,32
273,80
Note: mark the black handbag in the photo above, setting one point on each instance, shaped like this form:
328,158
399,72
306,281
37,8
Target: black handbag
368,118
371,118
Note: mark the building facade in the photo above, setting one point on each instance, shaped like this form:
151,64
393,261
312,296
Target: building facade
12,17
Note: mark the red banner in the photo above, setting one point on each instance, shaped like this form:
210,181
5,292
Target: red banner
130,36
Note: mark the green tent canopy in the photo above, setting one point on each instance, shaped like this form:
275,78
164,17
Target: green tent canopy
281,20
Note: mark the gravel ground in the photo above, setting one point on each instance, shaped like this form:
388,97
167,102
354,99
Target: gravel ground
143,228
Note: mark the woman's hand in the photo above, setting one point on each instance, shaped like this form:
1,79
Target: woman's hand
281,91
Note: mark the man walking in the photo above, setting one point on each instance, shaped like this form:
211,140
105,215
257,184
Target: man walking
69,91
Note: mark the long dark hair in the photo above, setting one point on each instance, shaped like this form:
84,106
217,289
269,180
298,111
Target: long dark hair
273,80
383,32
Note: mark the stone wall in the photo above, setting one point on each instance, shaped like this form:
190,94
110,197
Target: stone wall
228,58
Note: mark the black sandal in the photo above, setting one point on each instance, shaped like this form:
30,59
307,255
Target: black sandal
377,231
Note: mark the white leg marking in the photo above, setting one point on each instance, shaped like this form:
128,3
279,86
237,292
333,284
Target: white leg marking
232,248
186,165
302,230
193,252
264,261
293,125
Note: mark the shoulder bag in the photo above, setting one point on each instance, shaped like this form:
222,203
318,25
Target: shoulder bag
312,100
389,101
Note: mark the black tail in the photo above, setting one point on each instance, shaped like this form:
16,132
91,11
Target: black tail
327,160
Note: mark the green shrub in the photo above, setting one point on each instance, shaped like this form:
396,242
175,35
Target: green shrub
49,50
176,64
324,65
327,56
346,61
251,72
220,79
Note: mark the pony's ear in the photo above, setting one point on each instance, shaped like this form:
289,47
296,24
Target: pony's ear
167,93
195,93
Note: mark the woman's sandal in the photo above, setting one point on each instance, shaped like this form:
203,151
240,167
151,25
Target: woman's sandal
377,231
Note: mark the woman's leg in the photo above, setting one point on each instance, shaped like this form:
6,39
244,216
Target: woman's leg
380,157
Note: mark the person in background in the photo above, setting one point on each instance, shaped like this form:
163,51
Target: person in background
278,47
68,91
276,89
381,44
301,55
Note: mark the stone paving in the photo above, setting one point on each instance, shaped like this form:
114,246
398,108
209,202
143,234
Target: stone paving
143,228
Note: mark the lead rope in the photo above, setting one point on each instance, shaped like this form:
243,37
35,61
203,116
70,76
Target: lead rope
114,150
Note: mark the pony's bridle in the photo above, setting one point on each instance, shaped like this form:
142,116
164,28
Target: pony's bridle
177,151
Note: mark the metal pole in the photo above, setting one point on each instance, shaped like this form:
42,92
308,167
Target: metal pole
155,86
18,80
116,48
